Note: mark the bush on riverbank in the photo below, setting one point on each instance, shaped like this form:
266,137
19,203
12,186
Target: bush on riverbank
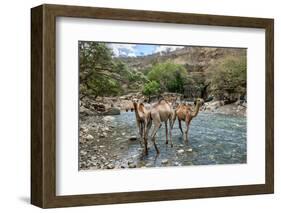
228,78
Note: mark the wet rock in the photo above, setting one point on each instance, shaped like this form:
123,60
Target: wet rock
132,165
101,146
212,157
180,151
148,165
130,162
189,150
123,133
164,161
133,138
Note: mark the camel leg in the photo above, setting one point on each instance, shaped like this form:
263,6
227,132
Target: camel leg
180,126
145,146
166,128
140,125
171,127
186,132
156,127
147,126
141,129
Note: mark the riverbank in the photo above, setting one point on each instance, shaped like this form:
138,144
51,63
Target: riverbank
236,109
116,105
109,137
112,142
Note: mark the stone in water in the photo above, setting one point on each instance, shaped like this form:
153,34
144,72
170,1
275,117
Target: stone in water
133,138
180,151
165,161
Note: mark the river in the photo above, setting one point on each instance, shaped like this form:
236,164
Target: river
213,139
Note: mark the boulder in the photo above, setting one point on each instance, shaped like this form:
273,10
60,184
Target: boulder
164,161
180,151
189,150
133,138
86,112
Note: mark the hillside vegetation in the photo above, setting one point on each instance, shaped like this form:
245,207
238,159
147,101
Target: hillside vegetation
218,73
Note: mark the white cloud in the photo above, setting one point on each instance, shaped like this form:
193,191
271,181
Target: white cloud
162,49
132,55
123,50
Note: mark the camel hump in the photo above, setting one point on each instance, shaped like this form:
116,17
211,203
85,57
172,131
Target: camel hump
162,101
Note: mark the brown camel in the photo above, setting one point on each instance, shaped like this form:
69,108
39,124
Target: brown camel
185,113
143,121
162,112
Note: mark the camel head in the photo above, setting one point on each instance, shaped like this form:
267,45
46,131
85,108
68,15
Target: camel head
199,101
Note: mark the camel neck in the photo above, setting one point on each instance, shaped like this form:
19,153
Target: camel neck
195,113
136,110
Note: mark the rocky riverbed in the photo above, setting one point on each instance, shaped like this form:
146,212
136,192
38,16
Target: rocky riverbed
112,142
238,108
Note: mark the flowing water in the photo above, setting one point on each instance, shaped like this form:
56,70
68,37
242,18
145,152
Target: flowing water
213,139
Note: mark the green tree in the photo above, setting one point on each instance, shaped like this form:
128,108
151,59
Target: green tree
228,76
170,76
98,74
151,88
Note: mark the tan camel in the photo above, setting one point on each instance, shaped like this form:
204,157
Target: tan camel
185,113
143,121
162,112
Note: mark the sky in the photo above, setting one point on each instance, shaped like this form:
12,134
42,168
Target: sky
134,50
